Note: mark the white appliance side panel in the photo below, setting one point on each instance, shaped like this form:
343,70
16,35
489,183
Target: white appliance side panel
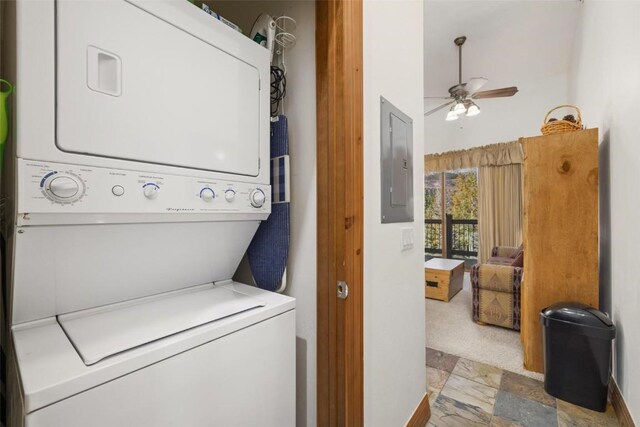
35,76
133,86
243,379
60,269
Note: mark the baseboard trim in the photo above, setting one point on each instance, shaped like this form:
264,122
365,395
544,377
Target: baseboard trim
421,415
619,405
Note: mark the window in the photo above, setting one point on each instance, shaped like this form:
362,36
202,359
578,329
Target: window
454,234
433,214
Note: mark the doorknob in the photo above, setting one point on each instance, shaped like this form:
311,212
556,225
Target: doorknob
343,290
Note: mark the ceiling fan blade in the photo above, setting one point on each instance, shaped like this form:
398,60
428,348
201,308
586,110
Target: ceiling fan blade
496,93
474,85
438,108
438,97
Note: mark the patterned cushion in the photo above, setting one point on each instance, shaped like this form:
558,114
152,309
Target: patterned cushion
519,260
495,278
497,260
505,251
496,295
496,308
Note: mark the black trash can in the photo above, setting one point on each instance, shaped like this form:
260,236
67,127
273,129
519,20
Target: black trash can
577,354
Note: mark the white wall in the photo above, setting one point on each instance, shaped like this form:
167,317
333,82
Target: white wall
394,335
501,119
605,83
300,108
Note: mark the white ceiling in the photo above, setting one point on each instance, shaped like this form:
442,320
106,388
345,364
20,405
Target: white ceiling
510,42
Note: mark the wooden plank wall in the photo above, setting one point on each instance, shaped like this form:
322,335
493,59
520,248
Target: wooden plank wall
339,100
560,229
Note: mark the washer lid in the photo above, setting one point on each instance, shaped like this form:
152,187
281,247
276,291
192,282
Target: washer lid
101,332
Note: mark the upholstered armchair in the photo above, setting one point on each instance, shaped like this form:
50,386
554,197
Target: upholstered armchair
496,294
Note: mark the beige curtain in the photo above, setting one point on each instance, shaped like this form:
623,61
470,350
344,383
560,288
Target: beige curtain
506,153
499,207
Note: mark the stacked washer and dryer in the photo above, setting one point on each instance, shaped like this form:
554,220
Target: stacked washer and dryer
138,175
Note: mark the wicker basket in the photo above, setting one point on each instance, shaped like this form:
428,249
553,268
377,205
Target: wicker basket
559,126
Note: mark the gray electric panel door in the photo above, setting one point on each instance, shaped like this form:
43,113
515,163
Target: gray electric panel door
396,157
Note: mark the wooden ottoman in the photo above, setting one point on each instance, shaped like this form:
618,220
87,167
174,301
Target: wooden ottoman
443,278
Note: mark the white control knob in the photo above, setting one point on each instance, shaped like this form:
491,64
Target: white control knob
64,187
150,191
229,195
207,194
257,198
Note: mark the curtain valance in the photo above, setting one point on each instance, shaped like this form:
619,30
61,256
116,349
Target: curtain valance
505,153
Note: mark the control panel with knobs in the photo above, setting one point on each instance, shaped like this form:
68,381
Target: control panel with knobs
62,187
257,198
207,194
229,195
150,190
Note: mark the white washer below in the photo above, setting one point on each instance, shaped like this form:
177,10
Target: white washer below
170,360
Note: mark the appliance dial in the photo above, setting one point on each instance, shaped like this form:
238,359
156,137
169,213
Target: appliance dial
150,190
207,194
229,195
63,187
257,198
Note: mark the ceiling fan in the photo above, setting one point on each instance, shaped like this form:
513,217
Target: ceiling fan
461,96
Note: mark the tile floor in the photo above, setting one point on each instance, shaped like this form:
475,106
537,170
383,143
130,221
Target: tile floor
467,393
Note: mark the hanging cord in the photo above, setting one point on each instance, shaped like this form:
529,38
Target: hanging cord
278,88
283,39
284,69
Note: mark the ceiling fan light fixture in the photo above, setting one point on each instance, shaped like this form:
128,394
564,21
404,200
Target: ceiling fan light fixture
473,110
451,115
459,108
461,94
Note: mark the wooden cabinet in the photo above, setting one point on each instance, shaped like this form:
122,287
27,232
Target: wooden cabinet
560,229
443,278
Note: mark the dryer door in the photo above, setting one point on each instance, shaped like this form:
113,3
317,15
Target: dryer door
133,86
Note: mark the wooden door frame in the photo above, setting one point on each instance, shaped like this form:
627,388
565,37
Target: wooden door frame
339,92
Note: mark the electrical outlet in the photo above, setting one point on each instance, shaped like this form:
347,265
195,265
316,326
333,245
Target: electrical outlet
407,238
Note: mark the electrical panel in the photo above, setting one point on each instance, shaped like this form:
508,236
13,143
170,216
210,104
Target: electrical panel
396,157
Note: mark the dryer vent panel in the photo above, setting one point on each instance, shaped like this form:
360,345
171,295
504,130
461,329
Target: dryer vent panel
396,157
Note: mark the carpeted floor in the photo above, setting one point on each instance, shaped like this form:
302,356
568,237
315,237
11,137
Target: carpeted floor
451,329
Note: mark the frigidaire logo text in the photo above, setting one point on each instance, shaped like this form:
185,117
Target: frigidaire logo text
180,209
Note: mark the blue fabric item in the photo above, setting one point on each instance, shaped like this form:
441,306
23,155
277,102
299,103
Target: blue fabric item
280,179
269,249
280,137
